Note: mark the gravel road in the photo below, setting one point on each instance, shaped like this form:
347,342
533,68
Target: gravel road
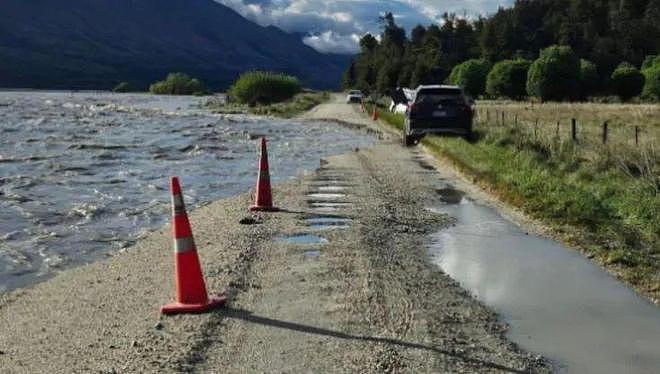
361,297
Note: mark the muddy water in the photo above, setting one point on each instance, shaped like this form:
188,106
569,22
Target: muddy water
83,175
556,302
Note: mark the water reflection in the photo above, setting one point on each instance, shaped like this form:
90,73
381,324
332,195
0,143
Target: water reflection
557,303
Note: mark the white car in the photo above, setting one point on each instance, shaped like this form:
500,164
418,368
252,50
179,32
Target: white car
354,96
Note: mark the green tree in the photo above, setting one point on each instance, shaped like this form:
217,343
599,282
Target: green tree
471,75
650,61
554,75
349,78
124,87
627,82
178,84
589,79
508,79
651,71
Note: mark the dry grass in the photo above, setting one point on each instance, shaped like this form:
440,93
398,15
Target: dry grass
631,142
621,118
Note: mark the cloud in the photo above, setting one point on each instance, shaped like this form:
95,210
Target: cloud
331,42
336,26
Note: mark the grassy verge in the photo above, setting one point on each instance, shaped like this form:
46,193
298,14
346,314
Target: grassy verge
591,199
300,103
395,121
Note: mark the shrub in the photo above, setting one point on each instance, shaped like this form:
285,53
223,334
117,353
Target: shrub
124,87
261,87
627,82
554,75
651,71
589,79
508,79
650,61
471,75
178,84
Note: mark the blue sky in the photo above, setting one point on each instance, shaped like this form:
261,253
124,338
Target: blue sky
336,26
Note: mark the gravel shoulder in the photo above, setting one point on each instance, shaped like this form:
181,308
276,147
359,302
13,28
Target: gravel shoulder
366,299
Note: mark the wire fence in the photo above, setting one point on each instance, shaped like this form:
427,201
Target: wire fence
614,143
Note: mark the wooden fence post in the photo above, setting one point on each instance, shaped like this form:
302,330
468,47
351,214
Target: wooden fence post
573,129
487,116
605,132
636,135
515,120
502,118
536,125
557,130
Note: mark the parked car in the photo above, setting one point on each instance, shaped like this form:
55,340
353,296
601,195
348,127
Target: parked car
438,109
401,99
354,96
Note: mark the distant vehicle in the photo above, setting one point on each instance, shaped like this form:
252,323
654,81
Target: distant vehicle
437,109
354,96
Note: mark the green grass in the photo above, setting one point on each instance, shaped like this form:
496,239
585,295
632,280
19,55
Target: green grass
300,103
393,120
592,201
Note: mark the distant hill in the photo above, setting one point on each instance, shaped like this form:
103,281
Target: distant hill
95,44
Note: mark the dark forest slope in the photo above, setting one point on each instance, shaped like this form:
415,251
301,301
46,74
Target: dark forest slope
97,43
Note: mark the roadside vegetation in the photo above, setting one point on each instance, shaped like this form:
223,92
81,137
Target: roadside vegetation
268,94
125,87
263,87
179,84
602,196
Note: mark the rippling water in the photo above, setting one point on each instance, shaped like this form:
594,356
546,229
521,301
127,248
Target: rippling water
85,174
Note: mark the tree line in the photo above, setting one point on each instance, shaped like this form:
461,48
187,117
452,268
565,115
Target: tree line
550,49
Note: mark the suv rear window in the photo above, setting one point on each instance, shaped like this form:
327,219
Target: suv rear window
440,95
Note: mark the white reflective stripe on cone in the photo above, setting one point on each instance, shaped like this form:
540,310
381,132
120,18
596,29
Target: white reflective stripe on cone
182,245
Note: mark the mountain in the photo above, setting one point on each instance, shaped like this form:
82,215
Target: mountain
95,44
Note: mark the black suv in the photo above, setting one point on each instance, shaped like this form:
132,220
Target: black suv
438,110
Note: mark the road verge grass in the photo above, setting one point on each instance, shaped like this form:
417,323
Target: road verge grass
593,205
300,103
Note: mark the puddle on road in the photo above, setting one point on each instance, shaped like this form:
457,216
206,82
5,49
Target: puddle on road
331,188
329,181
425,165
300,239
328,204
312,255
328,222
556,302
449,195
325,195
325,209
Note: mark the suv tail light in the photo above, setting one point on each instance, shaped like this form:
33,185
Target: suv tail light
411,108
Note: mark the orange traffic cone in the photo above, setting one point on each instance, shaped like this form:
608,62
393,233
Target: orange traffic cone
191,296
264,197
375,115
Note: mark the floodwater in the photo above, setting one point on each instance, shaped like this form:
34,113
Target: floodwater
556,302
301,239
85,174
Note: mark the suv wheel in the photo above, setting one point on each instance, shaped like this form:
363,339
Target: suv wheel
408,140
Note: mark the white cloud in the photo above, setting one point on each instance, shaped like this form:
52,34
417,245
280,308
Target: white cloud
331,42
336,26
